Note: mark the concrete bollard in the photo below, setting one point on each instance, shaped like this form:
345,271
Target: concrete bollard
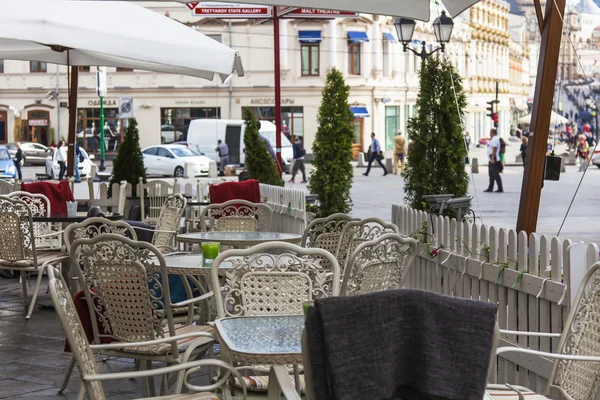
212,170
93,171
475,165
389,164
361,160
188,171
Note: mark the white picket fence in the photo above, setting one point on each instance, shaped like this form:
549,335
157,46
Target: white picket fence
531,279
288,205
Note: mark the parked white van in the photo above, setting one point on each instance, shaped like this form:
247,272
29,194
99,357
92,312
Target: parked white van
203,135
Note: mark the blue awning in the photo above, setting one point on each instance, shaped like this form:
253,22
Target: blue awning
309,36
357,37
360,112
390,37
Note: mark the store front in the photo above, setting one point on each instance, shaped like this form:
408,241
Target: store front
174,122
360,113
38,126
392,125
88,126
292,118
3,126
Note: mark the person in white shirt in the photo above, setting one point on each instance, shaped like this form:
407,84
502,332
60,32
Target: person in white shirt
61,158
495,166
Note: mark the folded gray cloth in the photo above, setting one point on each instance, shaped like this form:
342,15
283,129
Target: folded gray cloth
143,235
400,344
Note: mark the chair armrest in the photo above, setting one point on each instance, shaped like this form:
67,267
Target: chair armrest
57,233
524,333
502,350
279,383
153,230
193,300
120,345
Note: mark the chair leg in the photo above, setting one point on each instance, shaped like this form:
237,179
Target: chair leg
24,285
151,386
68,373
35,293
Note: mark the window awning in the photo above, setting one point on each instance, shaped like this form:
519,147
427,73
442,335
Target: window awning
357,37
309,36
390,37
360,112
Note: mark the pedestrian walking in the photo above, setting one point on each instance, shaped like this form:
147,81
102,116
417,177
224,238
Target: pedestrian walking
494,163
524,143
299,154
375,154
61,158
78,159
468,141
399,152
223,153
583,150
18,160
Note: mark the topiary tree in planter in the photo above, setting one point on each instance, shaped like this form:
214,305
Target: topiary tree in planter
332,149
129,164
436,162
259,163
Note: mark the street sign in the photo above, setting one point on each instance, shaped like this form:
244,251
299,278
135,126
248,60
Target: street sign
230,10
316,13
101,81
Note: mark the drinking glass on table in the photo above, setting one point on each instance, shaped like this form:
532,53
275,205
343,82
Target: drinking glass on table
210,251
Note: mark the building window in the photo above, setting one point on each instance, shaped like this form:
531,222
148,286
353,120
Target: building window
124,69
392,125
292,118
83,68
88,128
1,66
37,66
174,122
310,59
354,58
216,37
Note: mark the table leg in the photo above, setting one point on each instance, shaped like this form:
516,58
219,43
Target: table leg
297,378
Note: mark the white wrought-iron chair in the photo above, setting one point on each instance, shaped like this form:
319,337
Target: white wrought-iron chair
84,354
155,192
7,187
271,279
237,216
324,233
122,197
355,233
380,264
18,245
91,194
168,223
576,369
127,292
46,236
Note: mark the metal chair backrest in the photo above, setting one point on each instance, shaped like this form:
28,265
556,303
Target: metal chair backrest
155,192
273,279
324,233
93,227
69,319
357,232
237,216
169,221
380,264
17,241
581,337
7,187
125,284
40,207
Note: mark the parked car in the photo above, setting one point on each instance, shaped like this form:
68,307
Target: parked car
596,157
33,153
170,160
53,169
7,165
169,134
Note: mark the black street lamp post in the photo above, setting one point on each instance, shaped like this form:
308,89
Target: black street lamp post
442,28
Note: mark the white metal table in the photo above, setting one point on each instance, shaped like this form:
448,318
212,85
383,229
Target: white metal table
238,239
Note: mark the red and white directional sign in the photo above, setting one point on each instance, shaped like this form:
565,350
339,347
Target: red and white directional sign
316,13
230,10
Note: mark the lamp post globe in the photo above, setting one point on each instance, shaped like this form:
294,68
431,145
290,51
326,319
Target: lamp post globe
405,28
442,27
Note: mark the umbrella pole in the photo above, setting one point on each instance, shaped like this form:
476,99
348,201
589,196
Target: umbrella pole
72,120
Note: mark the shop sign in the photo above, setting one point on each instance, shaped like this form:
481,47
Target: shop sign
270,101
316,13
230,10
188,102
38,122
107,102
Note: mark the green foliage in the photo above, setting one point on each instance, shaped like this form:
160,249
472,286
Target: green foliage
436,162
259,163
332,149
52,136
129,164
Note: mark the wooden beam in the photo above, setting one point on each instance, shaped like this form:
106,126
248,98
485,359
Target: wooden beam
538,12
531,189
72,121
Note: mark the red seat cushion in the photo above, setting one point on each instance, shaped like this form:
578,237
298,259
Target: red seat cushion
248,190
58,194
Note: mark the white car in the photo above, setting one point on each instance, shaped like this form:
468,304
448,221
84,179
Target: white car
170,160
168,134
53,169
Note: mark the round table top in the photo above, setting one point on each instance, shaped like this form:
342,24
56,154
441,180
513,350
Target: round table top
238,238
80,217
190,264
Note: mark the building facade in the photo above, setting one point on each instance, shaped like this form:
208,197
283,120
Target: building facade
382,77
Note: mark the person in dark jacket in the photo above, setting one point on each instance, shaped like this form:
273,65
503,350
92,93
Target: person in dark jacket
299,154
18,160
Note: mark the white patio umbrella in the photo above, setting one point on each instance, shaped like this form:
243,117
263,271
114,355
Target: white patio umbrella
415,9
115,34
555,119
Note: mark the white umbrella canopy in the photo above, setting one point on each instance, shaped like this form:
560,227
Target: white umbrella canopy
115,34
555,119
415,9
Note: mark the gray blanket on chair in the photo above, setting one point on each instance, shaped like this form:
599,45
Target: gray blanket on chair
400,344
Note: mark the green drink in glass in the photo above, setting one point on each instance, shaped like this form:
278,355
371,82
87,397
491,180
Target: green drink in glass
210,251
